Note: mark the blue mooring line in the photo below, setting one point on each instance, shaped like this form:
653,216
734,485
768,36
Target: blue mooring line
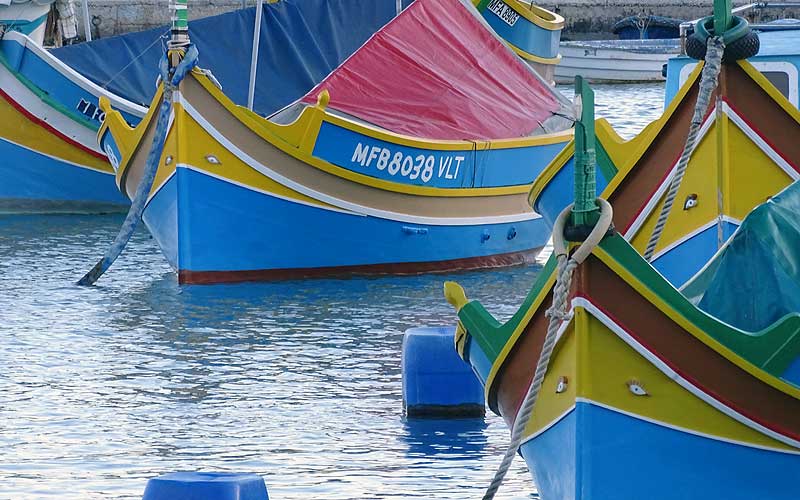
188,62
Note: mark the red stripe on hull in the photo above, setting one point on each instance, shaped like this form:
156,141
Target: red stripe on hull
186,276
35,119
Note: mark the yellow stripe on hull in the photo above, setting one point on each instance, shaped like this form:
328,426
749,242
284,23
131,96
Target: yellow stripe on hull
18,128
727,181
598,367
230,167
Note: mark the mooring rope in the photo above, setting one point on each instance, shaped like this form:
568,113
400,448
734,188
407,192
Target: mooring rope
555,314
170,81
708,82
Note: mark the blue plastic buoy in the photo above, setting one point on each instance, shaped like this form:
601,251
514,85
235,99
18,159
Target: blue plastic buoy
206,486
436,381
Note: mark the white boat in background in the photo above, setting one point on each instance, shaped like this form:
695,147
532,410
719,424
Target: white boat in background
615,61
26,16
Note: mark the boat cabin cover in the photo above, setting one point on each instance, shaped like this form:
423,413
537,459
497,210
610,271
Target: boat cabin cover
437,71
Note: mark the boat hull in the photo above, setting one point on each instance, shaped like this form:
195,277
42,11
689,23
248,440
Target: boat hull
225,232
626,457
531,31
614,61
745,154
48,124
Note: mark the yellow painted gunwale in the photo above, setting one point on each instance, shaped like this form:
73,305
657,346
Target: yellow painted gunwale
601,364
533,57
297,139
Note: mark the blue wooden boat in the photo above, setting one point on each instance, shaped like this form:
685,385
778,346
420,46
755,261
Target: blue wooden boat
618,385
747,151
49,118
400,161
532,32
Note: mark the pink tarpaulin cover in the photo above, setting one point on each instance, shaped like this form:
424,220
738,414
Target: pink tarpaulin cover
435,71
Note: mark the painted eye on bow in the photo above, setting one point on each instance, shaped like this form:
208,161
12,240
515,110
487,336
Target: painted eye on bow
562,385
636,388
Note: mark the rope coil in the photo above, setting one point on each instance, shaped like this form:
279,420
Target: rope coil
557,313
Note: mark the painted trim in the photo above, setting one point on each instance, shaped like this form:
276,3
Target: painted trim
520,328
55,158
688,236
655,198
265,192
533,57
539,16
684,429
759,140
550,424
50,129
662,365
521,257
749,131
75,77
691,328
383,214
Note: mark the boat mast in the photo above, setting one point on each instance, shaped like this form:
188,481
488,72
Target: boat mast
180,24
87,24
251,91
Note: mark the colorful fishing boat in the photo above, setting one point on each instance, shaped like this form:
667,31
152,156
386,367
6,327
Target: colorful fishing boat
746,151
532,32
50,157
638,392
48,140
415,155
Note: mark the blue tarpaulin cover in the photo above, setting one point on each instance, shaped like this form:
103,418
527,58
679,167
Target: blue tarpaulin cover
755,279
301,42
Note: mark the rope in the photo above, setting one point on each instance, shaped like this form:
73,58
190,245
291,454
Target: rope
555,314
708,82
171,81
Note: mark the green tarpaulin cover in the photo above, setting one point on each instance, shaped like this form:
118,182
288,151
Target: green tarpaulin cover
754,279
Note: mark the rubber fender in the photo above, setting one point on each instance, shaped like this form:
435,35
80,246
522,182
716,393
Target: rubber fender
740,41
740,49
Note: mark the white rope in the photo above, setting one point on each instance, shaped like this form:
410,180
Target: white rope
555,314
708,82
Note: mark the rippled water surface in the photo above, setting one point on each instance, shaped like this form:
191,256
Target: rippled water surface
102,388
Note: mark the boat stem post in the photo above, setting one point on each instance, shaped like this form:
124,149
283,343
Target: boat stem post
87,23
251,91
585,211
723,17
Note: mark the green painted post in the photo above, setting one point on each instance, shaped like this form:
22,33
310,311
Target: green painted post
180,22
722,16
585,212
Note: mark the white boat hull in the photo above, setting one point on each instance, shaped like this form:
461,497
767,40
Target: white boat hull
613,61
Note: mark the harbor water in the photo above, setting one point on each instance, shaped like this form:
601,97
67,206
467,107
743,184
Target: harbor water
104,387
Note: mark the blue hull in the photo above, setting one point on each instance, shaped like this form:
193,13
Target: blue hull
596,453
36,182
206,225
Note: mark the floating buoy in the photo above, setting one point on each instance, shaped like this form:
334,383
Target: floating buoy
436,381
206,486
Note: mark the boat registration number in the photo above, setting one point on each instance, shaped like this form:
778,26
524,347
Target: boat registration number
504,12
422,167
